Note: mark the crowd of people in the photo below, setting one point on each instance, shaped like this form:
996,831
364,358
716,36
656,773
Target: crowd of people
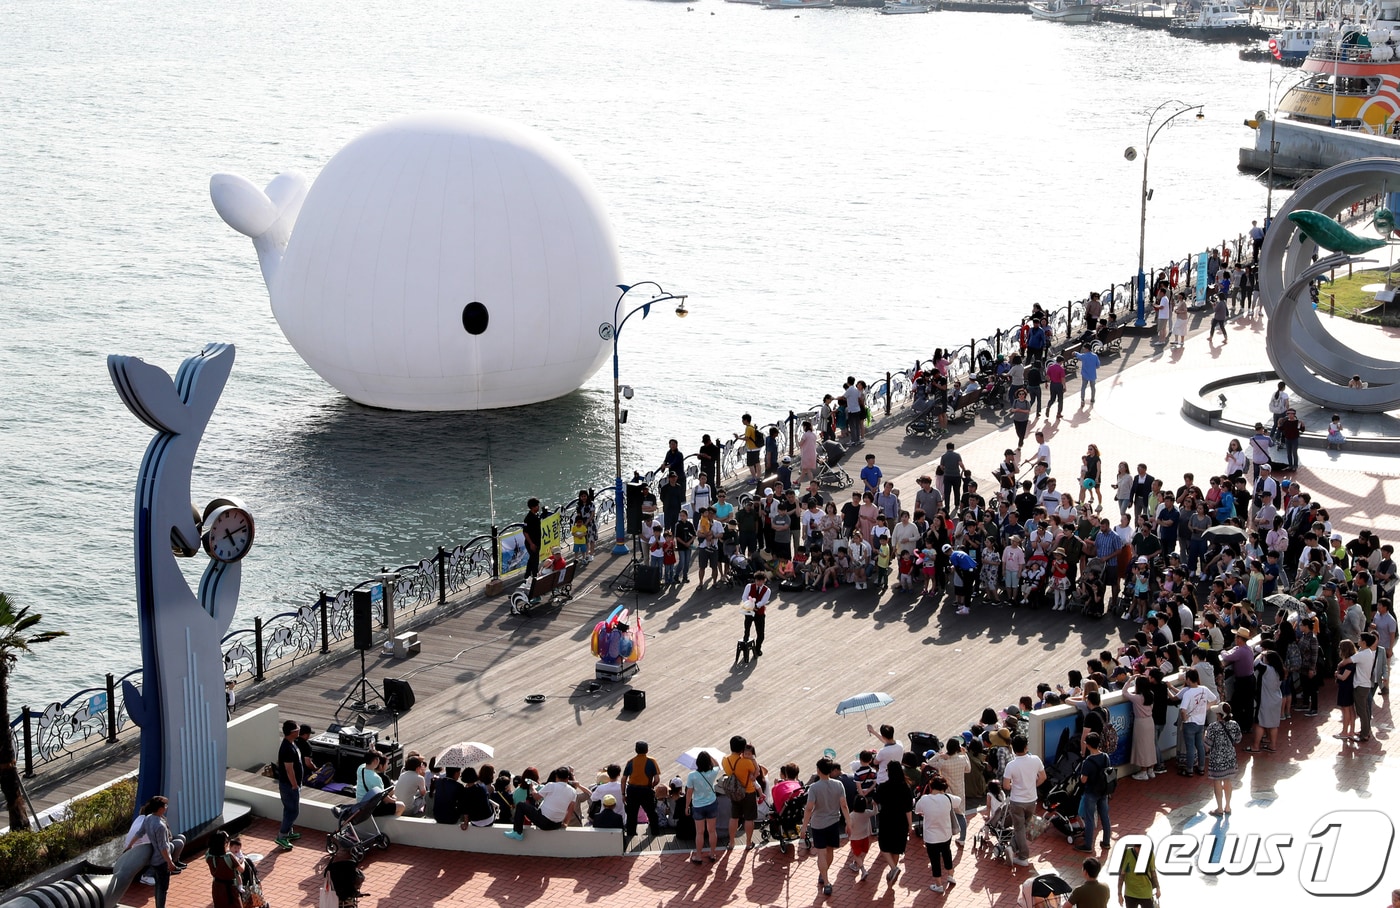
1241,585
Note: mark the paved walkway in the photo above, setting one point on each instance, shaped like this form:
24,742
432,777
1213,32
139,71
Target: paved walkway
1282,793
1136,418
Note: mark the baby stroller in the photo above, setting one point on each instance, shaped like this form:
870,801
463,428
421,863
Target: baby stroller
924,420
742,568
350,816
994,392
785,826
829,475
1044,891
996,838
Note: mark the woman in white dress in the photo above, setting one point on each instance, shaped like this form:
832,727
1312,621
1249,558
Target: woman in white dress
1180,317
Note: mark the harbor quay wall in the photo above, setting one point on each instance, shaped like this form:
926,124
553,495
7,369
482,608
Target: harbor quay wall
64,737
1304,148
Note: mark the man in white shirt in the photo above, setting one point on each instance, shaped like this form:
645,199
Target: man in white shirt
890,753
558,797
1022,775
1195,708
613,786
1364,662
702,496
1164,316
905,535
1042,451
938,809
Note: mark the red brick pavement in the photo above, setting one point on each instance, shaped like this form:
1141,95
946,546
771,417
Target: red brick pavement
1287,789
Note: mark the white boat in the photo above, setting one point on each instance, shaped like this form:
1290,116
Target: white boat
754,2
1066,11
799,4
1291,45
1219,21
904,7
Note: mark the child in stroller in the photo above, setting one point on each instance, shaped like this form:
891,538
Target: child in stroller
996,838
742,568
789,802
1033,580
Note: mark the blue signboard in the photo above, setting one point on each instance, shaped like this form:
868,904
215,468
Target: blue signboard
1202,275
97,703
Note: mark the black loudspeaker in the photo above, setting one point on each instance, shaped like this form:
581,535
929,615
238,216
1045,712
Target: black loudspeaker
634,509
398,695
634,701
648,578
364,619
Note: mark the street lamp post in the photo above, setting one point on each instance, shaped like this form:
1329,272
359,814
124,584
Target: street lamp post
611,331
1131,154
1274,86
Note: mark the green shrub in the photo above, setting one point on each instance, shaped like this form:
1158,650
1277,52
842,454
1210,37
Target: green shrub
89,822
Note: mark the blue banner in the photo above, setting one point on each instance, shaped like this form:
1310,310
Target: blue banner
1202,275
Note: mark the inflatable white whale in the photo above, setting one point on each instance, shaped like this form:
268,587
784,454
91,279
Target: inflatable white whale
439,262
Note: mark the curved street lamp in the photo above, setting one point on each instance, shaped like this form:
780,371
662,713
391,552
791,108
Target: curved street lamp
611,331
1131,154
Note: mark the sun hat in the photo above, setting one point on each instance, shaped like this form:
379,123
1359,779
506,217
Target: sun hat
609,801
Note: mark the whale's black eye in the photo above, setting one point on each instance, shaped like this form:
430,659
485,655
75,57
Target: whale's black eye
475,318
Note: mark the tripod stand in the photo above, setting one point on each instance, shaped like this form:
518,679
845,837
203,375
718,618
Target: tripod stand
626,581
362,695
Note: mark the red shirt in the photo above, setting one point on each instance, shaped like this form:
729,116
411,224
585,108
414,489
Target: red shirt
1055,374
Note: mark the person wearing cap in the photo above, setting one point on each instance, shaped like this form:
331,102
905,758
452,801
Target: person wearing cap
291,773
608,817
1237,662
303,743
784,473
641,775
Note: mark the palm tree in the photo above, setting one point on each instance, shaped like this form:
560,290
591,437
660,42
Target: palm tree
16,637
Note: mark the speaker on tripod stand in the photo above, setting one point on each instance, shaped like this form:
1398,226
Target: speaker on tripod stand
362,696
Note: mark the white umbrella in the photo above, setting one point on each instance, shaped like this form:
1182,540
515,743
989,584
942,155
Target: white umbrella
863,702
466,753
687,759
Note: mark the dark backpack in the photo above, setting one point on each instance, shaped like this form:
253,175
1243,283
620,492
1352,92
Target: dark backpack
1110,733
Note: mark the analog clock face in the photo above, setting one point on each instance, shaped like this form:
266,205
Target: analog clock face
228,533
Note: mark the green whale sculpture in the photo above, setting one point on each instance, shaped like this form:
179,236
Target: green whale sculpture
1330,235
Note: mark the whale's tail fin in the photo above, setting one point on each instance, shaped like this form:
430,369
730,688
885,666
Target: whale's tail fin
265,215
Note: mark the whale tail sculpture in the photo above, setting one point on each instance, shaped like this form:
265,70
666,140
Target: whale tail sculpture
1330,235
266,215
101,889
180,706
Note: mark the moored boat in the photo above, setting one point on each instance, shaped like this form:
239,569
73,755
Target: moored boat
904,7
1219,21
799,4
1067,11
1291,46
1140,15
1353,81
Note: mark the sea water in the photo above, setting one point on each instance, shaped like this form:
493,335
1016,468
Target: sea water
838,191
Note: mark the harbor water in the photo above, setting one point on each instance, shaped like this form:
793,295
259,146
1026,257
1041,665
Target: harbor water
838,191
